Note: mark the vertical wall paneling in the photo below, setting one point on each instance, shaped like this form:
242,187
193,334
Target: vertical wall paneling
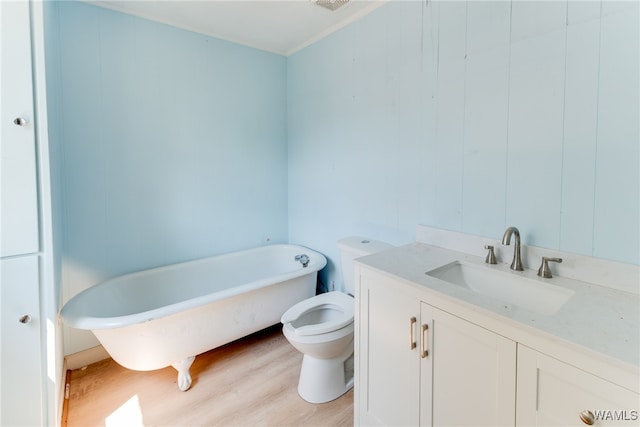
581,11
531,19
415,70
315,161
426,171
450,114
520,114
485,117
536,104
377,112
617,192
580,128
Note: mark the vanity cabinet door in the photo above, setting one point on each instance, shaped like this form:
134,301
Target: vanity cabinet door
468,373
20,362
387,359
418,365
18,187
554,393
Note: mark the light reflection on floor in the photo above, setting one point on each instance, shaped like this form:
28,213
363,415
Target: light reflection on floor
129,414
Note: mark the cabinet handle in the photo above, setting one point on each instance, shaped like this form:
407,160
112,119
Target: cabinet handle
423,345
412,342
19,121
587,417
24,319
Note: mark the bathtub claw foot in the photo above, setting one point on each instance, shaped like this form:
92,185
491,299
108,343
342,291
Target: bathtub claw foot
184,377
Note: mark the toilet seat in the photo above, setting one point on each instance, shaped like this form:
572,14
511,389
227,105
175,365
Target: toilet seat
338,301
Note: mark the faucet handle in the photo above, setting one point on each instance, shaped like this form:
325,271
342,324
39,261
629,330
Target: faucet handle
544,270
491,256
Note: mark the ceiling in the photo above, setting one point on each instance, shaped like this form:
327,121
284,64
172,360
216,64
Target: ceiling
278,26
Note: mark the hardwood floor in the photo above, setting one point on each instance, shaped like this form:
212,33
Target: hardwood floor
250,382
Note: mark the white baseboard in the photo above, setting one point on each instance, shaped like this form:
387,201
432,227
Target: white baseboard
86,357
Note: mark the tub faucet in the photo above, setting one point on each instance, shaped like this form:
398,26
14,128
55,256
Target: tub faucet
303,259
506,240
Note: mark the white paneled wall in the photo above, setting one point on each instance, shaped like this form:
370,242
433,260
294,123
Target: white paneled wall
580,125
616,213
536,100
472,116
537,122
533,99
486,114
450,96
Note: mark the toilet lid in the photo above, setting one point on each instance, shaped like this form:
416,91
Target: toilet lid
336,300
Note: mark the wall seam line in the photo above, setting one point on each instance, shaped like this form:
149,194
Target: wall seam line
595,161
564,118
506,151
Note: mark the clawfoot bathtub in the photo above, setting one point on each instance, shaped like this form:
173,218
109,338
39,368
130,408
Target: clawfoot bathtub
166,316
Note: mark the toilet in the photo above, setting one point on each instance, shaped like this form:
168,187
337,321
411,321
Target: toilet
321,328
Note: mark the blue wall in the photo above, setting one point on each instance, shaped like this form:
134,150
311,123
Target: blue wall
172,145
470,116
169,137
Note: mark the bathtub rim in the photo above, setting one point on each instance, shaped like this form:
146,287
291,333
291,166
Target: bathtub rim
77,319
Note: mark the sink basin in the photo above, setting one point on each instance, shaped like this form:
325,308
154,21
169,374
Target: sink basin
510,288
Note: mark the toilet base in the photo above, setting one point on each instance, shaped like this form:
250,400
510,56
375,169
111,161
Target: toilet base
323,380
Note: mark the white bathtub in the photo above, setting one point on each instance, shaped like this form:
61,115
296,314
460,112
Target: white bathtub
166,316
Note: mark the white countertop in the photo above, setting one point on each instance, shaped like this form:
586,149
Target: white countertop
596,321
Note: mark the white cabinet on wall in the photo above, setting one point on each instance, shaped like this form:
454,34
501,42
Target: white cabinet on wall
21,367
19,219
418,365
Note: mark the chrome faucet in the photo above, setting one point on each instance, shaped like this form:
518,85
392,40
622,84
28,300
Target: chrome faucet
506,240
303,259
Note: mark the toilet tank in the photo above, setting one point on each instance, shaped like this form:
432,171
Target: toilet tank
352,248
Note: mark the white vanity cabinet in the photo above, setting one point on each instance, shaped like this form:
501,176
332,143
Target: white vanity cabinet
429,361
554,393
418,365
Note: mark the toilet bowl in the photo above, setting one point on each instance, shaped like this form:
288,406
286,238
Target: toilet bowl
321,328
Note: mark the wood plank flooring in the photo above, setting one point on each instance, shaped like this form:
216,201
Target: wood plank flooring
250,382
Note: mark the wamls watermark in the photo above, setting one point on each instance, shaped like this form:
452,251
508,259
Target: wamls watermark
615,415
